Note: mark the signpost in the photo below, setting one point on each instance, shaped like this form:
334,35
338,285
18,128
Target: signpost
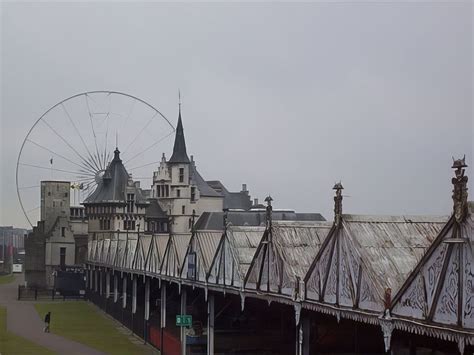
184,320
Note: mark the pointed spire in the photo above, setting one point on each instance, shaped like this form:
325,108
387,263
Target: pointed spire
179,149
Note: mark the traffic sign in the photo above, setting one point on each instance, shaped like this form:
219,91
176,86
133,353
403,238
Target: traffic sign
184,320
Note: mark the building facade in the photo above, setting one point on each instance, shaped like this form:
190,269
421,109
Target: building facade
59,239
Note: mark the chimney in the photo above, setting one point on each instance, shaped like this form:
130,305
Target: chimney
244,188
255,201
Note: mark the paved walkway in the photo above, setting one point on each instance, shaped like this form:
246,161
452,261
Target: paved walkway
23,320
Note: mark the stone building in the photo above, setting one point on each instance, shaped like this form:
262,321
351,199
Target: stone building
52,246
117,204
184,194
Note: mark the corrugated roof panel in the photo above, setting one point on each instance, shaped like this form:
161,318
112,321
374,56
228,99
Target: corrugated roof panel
244,242
112,252
181,242
298,244
391,246
119,260
208,243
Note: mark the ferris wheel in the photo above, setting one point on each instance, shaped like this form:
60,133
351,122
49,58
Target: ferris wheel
75,139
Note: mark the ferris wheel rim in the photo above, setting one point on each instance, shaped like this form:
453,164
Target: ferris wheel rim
109,92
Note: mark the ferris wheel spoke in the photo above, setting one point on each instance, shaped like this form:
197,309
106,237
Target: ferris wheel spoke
61,156
67,143
144,165
33,209
28,187
101,165
53,169
141,131
84,179
88,186
92,126
106,160
124,121
149,147
75,128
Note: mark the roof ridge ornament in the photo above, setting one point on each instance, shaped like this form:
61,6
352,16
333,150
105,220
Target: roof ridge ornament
460,206
268,216
224,217
338,202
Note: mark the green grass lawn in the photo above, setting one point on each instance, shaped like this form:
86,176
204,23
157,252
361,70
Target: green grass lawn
81,322
5,279
11,344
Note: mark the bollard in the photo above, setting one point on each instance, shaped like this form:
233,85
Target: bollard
19,292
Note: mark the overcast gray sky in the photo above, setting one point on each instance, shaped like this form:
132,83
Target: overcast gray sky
288,98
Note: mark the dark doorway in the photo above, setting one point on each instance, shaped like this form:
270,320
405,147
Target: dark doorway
62,258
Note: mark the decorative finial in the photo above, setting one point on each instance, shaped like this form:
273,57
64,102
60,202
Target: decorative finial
226,215
179,100
193,218
117,154
116,140
460,207
338,202
269,200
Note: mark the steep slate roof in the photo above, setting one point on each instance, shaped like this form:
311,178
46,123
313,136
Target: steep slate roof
288,248
203,187
154,209
179,149
365,255
112,187
232,200
214,220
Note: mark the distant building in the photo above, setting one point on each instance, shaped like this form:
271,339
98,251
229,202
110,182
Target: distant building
12,242
60,238
254,217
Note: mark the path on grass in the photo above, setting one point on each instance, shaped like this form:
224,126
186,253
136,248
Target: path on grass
23,320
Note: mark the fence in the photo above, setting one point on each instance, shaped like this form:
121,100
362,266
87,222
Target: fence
37,293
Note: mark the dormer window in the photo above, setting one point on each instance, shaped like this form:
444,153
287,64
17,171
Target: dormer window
181,174
130,203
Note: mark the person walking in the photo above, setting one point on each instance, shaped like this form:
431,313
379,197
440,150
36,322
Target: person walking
47,320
